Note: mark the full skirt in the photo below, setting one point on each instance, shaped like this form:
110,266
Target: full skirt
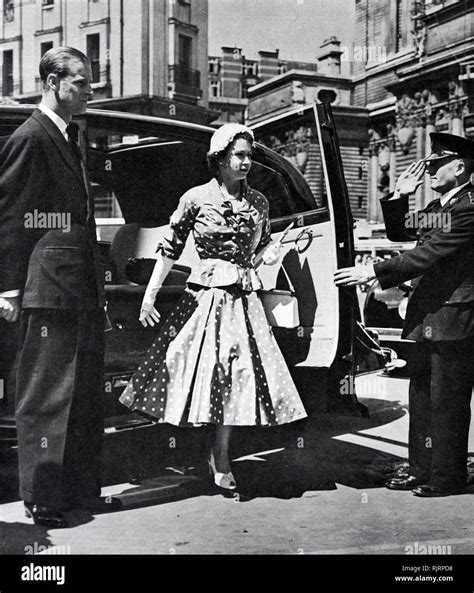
215,360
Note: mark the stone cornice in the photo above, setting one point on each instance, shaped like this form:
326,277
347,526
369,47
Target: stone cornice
48,31
174,21
286,77
430,68
103,21
390,64
11,39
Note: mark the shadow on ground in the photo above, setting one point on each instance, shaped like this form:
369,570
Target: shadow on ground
280,462
22,538
312,459
163,464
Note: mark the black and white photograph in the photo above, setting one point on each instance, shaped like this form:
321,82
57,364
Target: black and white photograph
236,295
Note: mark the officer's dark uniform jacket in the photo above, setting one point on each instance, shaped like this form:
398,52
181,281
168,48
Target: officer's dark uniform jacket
441,305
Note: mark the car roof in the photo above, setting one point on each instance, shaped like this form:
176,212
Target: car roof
29,108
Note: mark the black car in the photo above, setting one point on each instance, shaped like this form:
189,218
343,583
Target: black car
139,167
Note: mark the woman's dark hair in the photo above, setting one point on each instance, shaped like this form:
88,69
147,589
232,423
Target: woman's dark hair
213,159
56,61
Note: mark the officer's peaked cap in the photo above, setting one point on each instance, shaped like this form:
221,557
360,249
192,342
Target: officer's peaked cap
444,145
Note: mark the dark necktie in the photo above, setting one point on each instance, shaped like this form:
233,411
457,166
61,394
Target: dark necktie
73,135
73,141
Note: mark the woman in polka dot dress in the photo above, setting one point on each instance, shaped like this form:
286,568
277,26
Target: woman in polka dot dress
215,359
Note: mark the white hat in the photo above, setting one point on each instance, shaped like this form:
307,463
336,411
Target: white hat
222,137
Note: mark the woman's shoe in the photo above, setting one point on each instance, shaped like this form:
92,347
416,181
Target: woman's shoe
221,480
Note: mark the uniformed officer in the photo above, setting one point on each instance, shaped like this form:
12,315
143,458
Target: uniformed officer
440,312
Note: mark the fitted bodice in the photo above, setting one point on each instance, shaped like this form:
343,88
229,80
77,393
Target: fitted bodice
227,233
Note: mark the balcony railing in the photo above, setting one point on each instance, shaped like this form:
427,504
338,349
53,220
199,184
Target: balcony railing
185,80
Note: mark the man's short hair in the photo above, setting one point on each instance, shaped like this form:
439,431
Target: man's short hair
56,61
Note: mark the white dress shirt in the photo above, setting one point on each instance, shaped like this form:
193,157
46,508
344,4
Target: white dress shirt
54,117
448,195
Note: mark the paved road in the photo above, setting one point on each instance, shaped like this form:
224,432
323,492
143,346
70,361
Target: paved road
309,490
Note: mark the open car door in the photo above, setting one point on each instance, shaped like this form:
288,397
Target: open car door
319,350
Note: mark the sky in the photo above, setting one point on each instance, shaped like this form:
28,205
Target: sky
295,27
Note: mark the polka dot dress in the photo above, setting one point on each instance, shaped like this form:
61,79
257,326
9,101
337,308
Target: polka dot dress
215,361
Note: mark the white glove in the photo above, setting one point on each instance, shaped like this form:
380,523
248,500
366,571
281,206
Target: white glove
10,308
148,313
271,254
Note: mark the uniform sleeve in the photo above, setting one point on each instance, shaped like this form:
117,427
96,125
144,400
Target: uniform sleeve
439,245
266,236
395,213
181,223
21,166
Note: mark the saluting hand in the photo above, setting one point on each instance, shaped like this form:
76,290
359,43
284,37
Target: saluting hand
411,178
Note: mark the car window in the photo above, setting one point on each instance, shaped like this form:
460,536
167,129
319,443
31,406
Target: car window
284,197
146,178
297,141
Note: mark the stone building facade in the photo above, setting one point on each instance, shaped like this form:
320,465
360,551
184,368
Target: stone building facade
296,86
423,83
231,75
147,56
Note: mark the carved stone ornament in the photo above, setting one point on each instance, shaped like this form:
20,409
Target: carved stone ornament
407,120
419,31
374,139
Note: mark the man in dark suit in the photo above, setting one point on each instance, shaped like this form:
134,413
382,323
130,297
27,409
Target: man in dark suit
49,270
440,312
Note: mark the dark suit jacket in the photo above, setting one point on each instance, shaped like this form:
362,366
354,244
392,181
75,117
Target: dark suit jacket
441,306
39,174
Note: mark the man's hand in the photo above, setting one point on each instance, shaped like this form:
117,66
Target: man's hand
148,313
410,179
10,308
354,276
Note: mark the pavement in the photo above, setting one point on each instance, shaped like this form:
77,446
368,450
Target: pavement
315,488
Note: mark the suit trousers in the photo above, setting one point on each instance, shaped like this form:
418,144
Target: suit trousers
440,392
59,405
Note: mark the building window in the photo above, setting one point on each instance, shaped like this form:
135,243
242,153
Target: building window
8,11
93,53
249,68
215,88
213,65
398,26
182,11
7,73
46,46
47,3
185,48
